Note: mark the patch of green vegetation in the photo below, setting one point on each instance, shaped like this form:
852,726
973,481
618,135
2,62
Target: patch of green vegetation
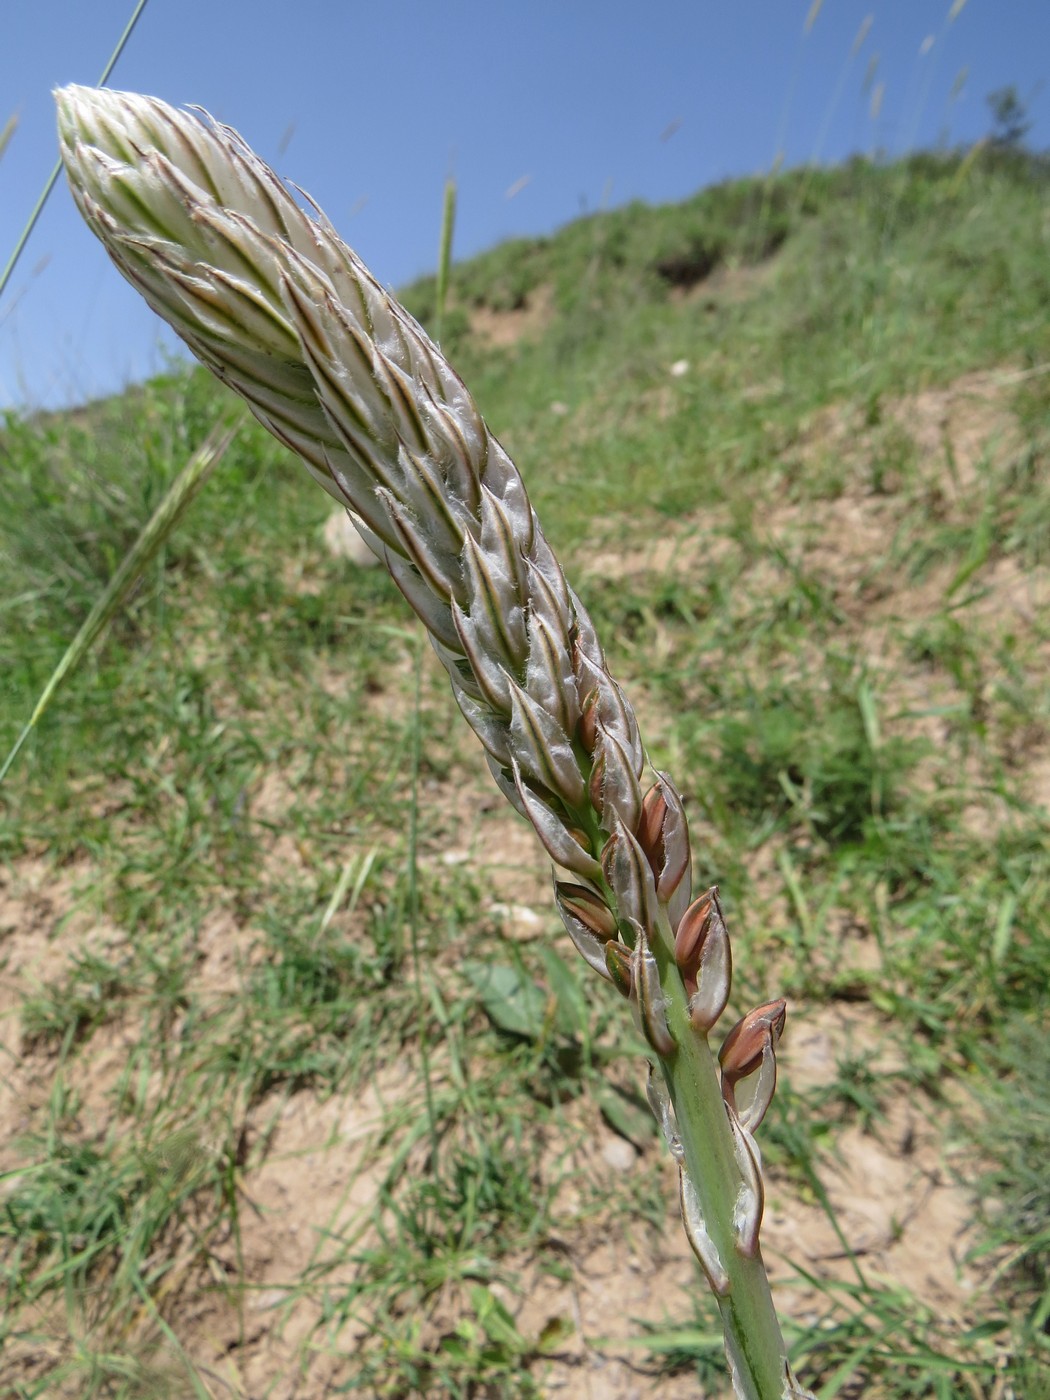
833,635
1013,1134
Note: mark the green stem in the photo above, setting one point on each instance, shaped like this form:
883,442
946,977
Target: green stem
754,1344
448,220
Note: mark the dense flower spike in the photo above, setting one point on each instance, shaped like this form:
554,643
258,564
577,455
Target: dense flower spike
271,300
287,315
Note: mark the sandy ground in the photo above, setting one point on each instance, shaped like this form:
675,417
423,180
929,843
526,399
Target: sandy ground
897,1192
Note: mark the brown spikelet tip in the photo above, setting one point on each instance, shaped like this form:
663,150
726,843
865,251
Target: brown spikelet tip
743,1048
618,961
589,907
650,833
692,930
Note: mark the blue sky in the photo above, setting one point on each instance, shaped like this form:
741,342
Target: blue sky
542,109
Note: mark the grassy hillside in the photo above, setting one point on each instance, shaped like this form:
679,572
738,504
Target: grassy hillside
303,1093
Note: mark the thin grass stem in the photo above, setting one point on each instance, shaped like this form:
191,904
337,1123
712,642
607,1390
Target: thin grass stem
177,500
413,897
448,222
45,193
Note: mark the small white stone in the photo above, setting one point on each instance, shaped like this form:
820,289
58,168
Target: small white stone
618,1153
343,542
519,920
679,368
